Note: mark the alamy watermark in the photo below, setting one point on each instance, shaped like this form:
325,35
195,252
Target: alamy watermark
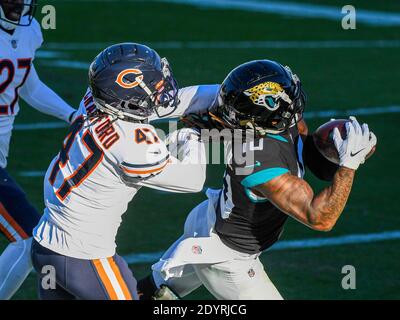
49,19
349,18
349,280
48,281
239,146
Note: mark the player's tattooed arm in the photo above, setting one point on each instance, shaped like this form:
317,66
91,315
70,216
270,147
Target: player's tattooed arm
295,197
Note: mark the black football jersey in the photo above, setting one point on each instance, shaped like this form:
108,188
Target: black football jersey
246,222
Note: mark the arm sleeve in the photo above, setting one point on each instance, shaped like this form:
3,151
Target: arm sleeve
144,170
43,99
152,165
142,160
186,175
194,99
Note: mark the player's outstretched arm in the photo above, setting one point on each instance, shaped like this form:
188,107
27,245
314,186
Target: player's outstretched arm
295,197
45,100
186,175
194,99
179,177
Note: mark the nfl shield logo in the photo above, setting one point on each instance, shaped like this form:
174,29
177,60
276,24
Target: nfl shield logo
251,273
196,249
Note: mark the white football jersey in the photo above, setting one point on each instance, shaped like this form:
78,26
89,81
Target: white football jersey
89,184
102,165
17,52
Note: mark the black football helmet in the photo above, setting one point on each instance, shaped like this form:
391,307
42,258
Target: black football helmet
12,13
131,82
261,96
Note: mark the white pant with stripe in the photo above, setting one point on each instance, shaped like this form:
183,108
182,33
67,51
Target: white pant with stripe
199,257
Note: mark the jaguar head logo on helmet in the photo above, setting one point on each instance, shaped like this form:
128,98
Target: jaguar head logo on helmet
267,95
15,13
130,81
260,97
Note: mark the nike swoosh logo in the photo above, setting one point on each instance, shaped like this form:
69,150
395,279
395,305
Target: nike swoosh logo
257,164
354,154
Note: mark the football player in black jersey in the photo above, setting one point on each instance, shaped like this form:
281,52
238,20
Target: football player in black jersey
224,236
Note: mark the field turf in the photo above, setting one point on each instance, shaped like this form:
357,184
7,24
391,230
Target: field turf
334,78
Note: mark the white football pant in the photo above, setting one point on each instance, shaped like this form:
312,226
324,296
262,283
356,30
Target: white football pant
243,278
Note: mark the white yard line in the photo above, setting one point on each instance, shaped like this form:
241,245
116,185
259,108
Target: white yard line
290,44
285,8
150,257
40,125
50,54
350,112
296,9
308,115
32,174
66,64
57,49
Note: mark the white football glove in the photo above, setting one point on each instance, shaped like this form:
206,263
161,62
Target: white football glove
358,143
178,138
182,135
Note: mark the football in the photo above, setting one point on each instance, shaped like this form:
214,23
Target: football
323,139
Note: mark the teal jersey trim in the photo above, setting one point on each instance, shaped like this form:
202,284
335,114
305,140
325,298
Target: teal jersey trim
253,198
277,137
262,177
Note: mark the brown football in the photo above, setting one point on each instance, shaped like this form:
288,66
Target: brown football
323,139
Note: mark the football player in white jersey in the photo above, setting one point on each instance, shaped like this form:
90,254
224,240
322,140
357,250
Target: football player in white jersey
109,154
20,37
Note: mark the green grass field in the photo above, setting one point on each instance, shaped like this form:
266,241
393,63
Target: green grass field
334,78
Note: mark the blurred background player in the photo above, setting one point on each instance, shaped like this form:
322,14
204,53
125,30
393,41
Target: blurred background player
20,37
225,235
110,153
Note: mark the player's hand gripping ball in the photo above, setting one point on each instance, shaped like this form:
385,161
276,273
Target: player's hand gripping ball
323,139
